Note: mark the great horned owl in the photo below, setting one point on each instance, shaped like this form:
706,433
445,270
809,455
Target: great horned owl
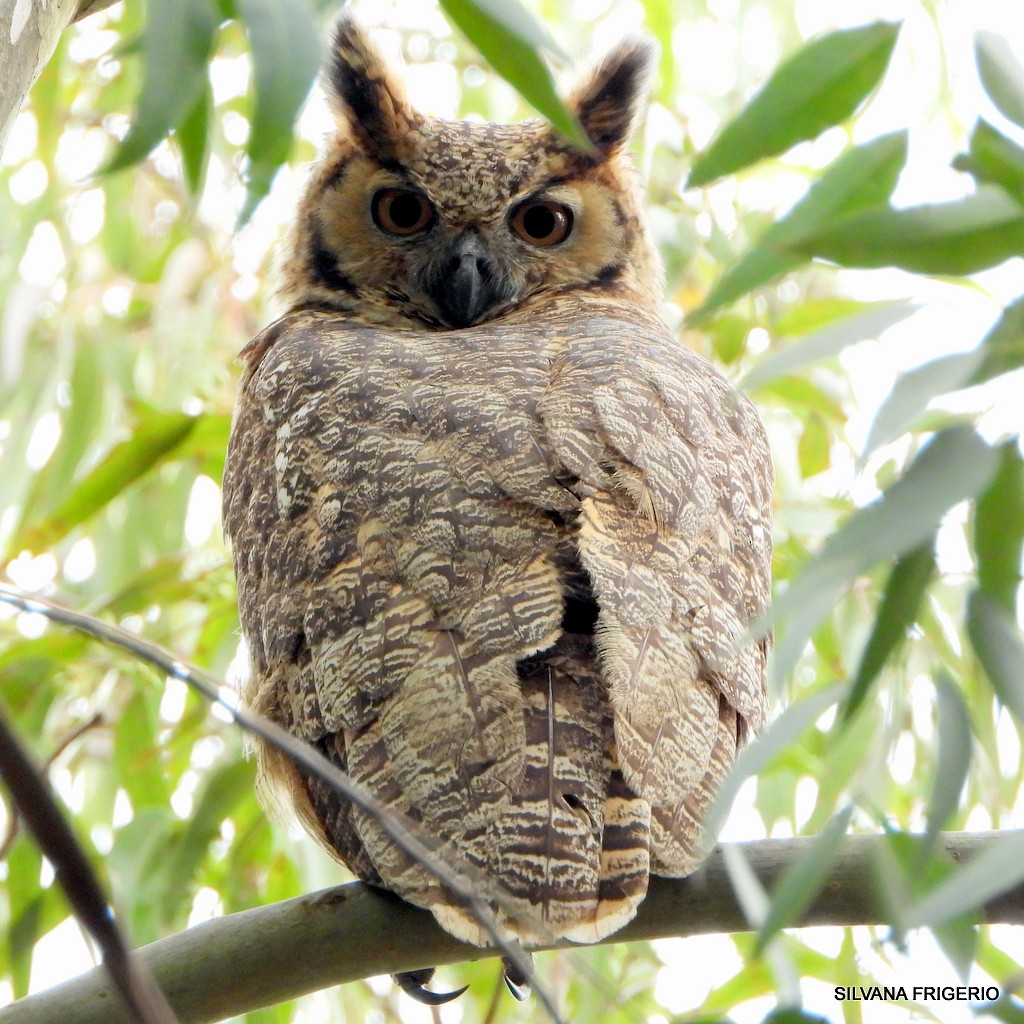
497,532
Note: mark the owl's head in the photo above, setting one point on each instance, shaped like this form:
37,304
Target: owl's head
411,220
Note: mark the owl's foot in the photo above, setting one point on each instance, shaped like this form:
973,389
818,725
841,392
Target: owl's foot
412,982
515,980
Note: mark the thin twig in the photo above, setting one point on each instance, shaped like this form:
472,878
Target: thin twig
465,884
38,808
14,824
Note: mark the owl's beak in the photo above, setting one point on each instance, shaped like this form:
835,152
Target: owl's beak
466,287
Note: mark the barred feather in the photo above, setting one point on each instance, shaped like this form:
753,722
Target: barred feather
499,574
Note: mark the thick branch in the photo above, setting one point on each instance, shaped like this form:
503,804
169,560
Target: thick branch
29,31
259,957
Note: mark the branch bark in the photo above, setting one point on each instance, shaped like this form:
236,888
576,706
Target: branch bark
235,964
29,31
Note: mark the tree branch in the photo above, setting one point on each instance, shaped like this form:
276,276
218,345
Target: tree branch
35,802
255,958
29,31
460,878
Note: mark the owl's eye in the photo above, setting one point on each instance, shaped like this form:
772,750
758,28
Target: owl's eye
401,211
542,222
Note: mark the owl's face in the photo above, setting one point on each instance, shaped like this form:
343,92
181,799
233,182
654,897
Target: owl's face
415,221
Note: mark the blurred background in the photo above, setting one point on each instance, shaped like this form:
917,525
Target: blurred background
126,296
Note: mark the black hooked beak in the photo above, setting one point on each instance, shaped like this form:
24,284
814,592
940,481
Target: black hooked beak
464,287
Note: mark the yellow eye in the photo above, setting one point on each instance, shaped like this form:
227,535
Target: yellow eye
542,222
401,211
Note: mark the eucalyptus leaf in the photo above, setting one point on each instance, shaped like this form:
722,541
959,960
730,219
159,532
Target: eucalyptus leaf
954,466
1000,649
25,911
1002,74
861,177
995,159
999,530
819,86
1003,346
868,322
803,879
897,612
997,868
906,869
508,38
223,790
913,391
814,446
953,759
519,21
176,44
286,56
784,731
156,436
193,136
958,237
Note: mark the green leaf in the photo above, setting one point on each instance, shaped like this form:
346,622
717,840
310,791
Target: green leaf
995,159
137,866
754,758
286,56
193,136
959,237
728,337
897,612
861,177
1003,346
999,530
176,44
508,37
803,879
224,788
915,389
869,321
802,396
814,446
997,868
954,466
907,869
154,439
815,314
81,422
1001,74
819,86
137,754
953,759
1000,649
25,910
1006,1010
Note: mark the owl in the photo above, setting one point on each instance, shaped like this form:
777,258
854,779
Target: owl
497,533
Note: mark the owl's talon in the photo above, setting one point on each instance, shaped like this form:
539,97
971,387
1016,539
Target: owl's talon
516,981
412,982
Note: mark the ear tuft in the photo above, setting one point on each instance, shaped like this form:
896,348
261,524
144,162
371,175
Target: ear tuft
609,101
365,94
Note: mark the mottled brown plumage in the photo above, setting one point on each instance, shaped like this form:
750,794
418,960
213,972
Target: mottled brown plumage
496,531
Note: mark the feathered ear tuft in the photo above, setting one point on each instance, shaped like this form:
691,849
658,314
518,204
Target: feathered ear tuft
366,96
609,100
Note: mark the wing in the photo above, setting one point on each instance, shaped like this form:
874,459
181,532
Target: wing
675,533
398,532
421,524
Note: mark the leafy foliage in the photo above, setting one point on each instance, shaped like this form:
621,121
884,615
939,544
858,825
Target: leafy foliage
899,535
